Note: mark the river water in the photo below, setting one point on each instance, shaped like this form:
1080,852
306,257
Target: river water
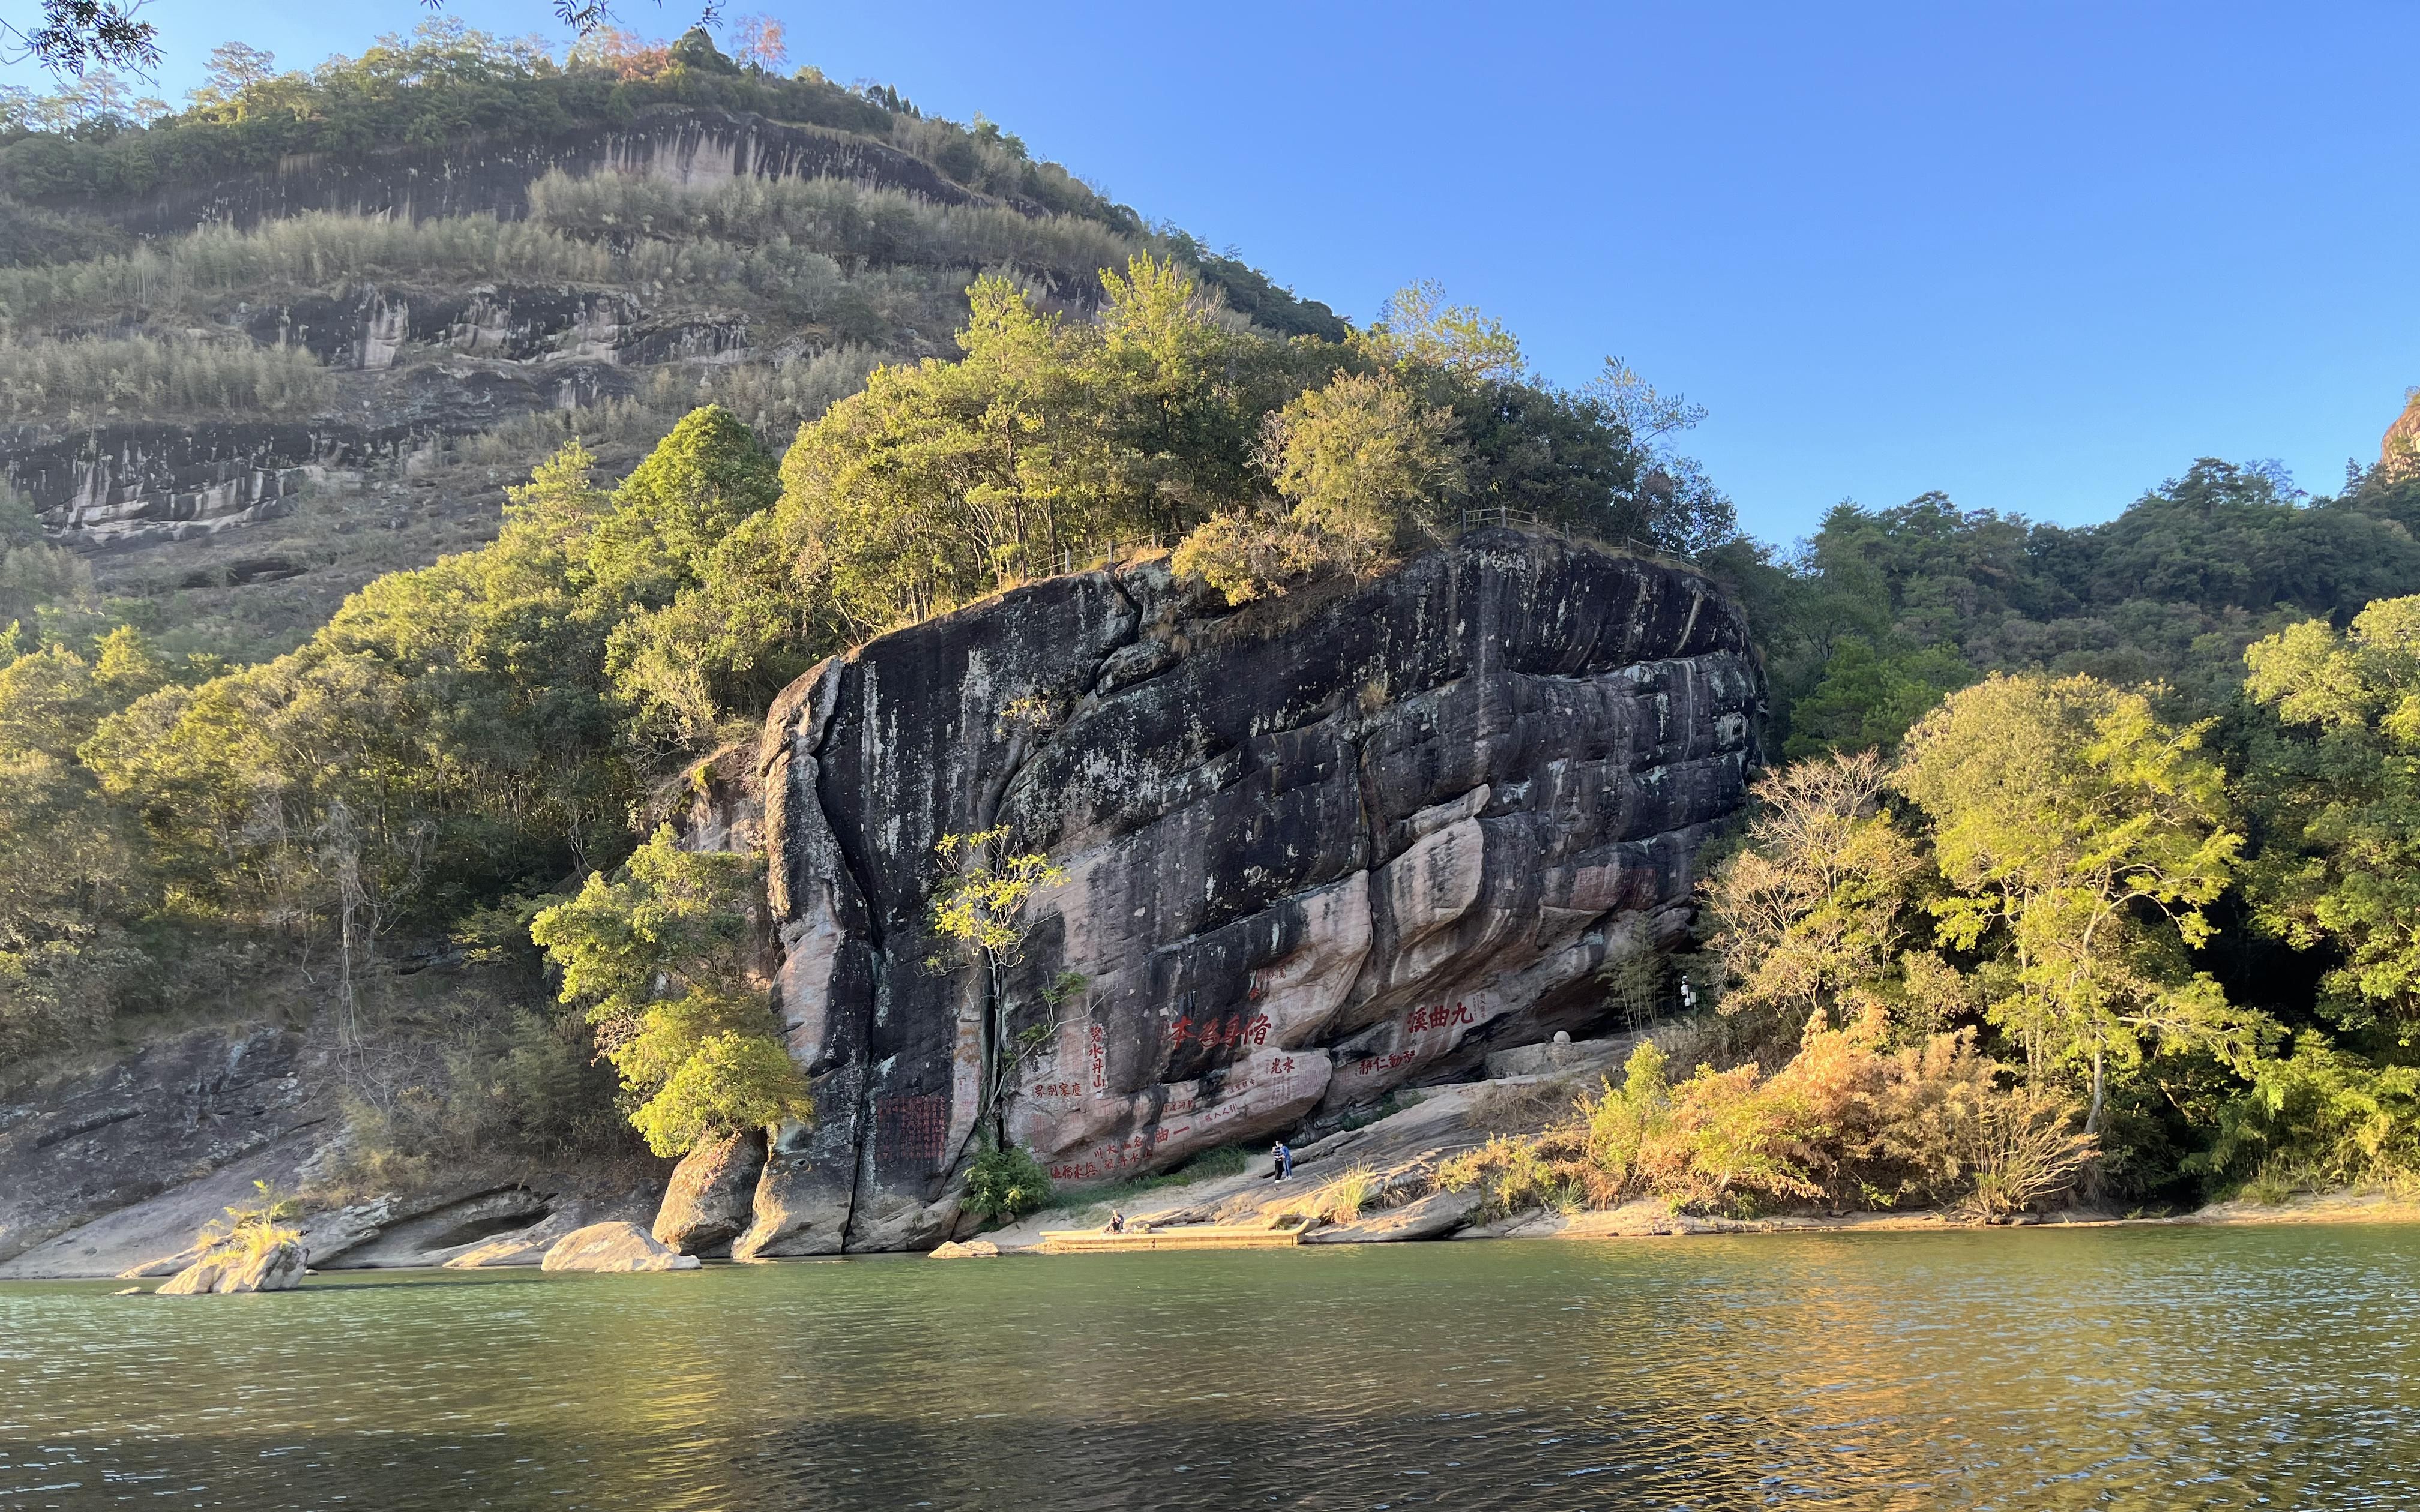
2152,1368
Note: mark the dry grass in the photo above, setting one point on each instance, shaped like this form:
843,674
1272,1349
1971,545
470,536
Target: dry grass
2019,1150
1504,1105
194,277
836,217
316,250
1847,1123
249,1231
137,374
1341,1199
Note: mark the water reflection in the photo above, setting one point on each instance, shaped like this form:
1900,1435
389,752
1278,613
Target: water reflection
2109,1368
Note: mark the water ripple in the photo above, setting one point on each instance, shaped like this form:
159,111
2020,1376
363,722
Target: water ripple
2103,1369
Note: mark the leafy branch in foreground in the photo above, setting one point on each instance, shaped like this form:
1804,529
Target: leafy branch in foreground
76,34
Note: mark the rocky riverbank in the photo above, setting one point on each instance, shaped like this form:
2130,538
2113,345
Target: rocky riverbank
1390,1163
476,1219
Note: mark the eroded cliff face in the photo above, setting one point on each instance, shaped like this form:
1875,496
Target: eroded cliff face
417,362
1317,849
677,144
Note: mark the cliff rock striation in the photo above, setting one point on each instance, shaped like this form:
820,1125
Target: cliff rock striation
1317,849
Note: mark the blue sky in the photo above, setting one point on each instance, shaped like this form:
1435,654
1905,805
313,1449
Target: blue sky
2037,256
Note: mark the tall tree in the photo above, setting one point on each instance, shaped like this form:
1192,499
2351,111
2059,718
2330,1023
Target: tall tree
2085,838
1809,917
2340,791
662,959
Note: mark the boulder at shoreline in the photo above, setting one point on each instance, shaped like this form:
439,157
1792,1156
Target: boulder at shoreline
708,1202
277,1268
613,1246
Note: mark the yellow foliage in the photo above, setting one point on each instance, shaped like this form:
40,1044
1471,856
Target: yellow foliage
1846,1122
248,1232
1247,556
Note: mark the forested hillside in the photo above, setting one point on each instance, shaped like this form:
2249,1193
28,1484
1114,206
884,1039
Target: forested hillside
2085,844
2121,805
306,329
1884,610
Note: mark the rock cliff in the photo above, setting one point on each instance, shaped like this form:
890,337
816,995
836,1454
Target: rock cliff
1370,836
419,360
434,354
1317,849
2400,448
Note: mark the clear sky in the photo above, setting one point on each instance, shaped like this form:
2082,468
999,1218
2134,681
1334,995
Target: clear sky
2038,256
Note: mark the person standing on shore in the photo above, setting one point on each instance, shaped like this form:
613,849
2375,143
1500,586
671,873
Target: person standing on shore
1280,1161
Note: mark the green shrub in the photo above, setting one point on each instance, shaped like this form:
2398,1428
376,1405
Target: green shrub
660,958
1004,1183
729,1081
2317,1118
1247,554
465,1077
1227,1160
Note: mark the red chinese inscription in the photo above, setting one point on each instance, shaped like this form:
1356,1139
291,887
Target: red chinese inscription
1223,1034
1107,1160
912,1127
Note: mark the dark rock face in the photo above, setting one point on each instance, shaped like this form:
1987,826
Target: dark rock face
367,327
145,483
1317,849
135,483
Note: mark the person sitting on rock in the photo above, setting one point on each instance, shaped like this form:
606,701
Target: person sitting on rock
1117,1224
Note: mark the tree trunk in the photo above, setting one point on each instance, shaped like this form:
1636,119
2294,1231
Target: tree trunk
988,1043
2100,1085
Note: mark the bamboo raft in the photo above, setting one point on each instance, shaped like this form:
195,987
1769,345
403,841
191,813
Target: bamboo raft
1183,1236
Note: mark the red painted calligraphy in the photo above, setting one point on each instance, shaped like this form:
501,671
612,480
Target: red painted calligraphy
1422,1020
1109,1159
1223,1034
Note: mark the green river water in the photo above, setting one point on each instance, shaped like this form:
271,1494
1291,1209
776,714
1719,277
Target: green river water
2135,1368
